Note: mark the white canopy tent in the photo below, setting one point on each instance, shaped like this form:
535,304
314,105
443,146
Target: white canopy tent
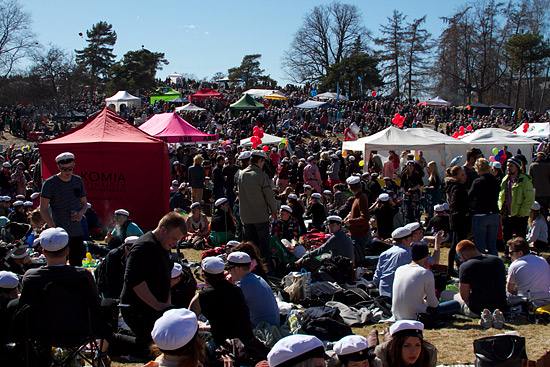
536,130
398,140
437,101
266,140
260,93
123,98
329,95
489,138
453,147
174,77
190,107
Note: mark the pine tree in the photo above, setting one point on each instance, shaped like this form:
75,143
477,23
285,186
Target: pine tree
98,56
392,52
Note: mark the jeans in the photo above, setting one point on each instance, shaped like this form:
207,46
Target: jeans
432,198
363,241
485,230
258,233
444,310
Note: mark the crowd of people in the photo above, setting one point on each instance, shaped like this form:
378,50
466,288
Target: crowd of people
296,224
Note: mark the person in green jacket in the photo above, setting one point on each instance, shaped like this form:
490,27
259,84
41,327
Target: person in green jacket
515,200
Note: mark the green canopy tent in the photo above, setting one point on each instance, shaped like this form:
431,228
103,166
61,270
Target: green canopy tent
165,94
246,103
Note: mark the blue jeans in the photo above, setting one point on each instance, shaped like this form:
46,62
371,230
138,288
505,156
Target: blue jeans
444,310
485,230
363,241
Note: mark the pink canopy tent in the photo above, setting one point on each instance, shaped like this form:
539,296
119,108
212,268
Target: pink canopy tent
171,128
203,94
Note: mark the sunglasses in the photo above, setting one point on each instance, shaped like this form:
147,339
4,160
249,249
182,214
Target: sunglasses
66,169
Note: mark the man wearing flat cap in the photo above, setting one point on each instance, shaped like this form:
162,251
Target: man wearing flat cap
257,203
515,200
65,196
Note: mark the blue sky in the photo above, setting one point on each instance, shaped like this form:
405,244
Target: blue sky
204,37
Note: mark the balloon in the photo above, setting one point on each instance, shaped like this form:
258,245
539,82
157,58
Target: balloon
260,142
469,108
261,134
503,155
401,119
265,148
526,125
286,143
373,93
461,129
515,132
228,141
416,157
345,153
502,160
283,140
495,150
455,135
469,128
497,157
501,152
224,143
399,106
400,125
396,115
281,145
256,128
254,145
80,34
491,158
361,163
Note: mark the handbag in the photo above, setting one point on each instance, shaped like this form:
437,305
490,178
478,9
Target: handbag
500,351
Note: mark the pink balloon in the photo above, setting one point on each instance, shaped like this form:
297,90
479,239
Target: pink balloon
491,158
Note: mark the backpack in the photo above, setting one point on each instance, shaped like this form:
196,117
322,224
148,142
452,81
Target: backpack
184,290
325,323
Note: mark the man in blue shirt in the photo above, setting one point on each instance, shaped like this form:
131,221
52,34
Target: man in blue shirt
259,297
388,262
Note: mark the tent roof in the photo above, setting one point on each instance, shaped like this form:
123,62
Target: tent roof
206,92
434,135
190,107
247,103
70,114
478,105
535,130
178,100
394,139
105,127
166,91
266,140
330,95
258,93
501,106
122,96
314,104
496,136
437,101
174,74
171,127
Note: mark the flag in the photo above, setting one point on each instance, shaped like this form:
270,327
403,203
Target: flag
337,91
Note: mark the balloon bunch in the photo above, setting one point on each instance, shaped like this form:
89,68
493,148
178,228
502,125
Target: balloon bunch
525,127
498,156
461,131
257,135
398,120
283,143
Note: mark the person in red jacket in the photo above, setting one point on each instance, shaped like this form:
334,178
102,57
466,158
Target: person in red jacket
358,218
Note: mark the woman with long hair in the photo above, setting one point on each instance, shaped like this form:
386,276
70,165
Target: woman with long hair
432,189
538,228
457,197
406,348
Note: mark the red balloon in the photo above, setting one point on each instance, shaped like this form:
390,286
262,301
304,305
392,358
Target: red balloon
399,106
502,160
515,132
259,141
526,126
395,121
504,155
401,119
400,125
469,128
460,133
461,129
256,128
455,135
396,115
373,93
254,145
265,148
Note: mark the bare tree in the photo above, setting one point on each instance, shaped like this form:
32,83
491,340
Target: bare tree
16,38
327,35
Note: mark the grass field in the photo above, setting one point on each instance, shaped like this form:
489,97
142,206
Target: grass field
454,343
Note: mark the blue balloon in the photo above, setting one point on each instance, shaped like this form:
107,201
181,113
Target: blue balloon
497,157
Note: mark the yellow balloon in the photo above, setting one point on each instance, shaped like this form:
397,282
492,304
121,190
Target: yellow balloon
416,157
361,163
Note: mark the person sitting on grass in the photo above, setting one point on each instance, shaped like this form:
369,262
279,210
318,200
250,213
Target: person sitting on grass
222,226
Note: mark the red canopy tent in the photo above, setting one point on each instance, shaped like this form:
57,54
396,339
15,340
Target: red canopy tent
203,94
121,166
171,128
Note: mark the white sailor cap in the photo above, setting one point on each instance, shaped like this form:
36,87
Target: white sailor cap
175,162
497,165
20,253
293,196
122,212
6,165
334,218
20,197
384,197
351,158
67,156
231,244
17,203
327,192
27,203
446,206
182,186
401,232
293,349
439,208
301,160
245,155
307,187
352,348
353,180
413,226
535,206
238,258
310,158
221,201
3,221
196,204
213,265
174,329
333,156
407,328
130,240
176,270
6,198
316,195
286,208
35,195
175,183
259,153
8,280
89,205
54,239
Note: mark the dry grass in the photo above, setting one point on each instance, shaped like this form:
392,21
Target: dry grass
454,342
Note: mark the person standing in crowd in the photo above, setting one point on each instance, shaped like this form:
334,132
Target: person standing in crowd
333,172
282,175
484,193
538,228
432,189
196,176
457,197
515,200
147,279
312,176
540,173
229,172
257,203
358,218
64,194
411,183
217,178
471,157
